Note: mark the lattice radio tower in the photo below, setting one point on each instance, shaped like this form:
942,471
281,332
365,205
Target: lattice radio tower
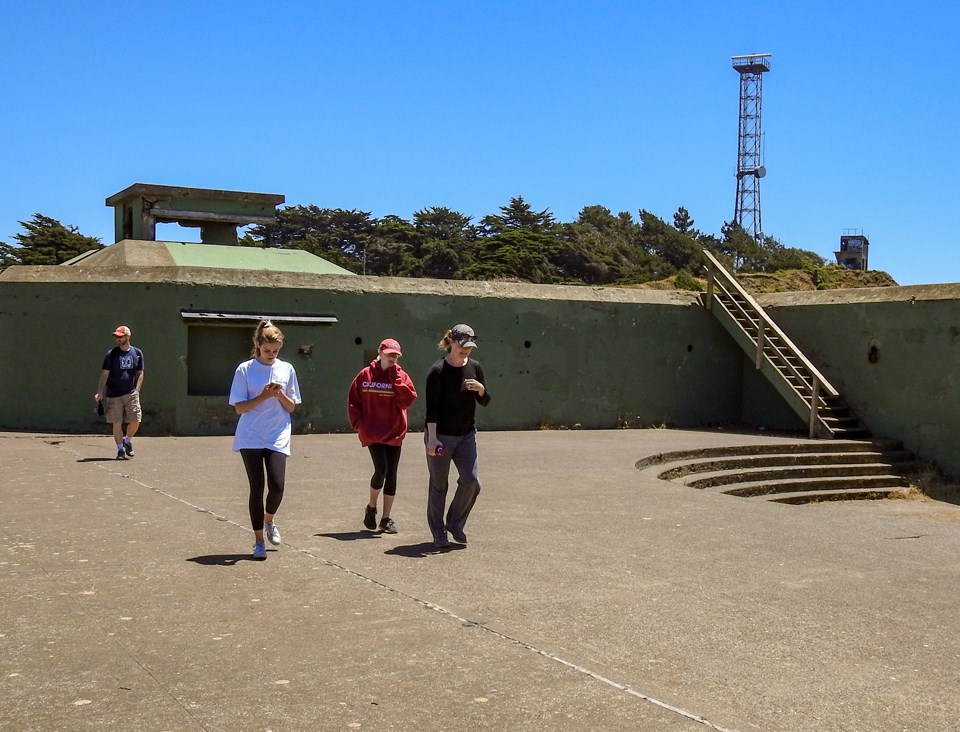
750,167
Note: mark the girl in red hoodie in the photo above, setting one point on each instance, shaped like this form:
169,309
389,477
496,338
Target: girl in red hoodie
377,403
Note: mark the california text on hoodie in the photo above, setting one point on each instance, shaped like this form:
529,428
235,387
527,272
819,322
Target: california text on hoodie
377,404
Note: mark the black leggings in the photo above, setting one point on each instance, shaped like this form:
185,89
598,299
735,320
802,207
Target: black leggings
386,458
276,468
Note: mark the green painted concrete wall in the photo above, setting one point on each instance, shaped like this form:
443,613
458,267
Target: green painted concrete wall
554,356
911,391
610,358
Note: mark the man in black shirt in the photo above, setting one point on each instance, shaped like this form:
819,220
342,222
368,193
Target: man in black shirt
455,385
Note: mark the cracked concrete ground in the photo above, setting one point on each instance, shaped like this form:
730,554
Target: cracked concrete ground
590,596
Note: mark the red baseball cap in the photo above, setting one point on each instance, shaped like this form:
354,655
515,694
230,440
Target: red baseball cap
389,345
122,330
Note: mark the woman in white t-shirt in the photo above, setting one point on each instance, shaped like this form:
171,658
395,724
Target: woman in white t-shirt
264,392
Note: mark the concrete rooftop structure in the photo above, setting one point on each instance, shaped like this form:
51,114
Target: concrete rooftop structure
137,255
217,213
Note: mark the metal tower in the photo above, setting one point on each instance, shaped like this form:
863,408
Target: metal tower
749,161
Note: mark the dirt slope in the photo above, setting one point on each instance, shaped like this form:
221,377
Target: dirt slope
791,280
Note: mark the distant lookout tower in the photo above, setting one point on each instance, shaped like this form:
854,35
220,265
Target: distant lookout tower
854,248
749,159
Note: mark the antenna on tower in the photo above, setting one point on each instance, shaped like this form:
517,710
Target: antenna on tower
750,168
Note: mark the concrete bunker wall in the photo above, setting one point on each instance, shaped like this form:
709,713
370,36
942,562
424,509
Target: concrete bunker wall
894,354
554,356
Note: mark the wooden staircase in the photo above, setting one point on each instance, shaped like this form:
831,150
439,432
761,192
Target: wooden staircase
805,389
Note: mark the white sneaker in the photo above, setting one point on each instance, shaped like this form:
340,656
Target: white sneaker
271,532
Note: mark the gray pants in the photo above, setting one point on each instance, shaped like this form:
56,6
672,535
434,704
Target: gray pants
462,451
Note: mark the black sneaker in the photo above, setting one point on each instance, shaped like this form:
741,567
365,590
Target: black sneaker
387,526
370,518
121,455
457,534
128,447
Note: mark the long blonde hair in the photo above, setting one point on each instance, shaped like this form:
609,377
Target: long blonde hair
266,332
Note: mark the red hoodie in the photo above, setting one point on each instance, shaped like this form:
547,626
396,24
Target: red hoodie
377,404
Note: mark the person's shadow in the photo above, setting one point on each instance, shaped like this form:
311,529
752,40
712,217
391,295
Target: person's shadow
222,560
350,535
99,460
421,550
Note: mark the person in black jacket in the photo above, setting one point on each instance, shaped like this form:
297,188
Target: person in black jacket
455,385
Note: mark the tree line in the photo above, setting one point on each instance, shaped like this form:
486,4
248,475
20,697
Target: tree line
45,240
518,243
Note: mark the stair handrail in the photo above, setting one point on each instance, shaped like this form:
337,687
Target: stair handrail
766,348
716,268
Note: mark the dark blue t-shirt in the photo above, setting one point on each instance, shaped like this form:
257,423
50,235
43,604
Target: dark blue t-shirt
123,367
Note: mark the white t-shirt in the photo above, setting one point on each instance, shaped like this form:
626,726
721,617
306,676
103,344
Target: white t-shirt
267,425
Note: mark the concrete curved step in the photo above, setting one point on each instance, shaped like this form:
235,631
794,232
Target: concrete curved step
800,472
746,462
721,479
783,448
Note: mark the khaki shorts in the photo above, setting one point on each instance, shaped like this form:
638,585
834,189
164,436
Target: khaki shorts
124,408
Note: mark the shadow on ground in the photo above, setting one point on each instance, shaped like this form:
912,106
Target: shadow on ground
222,560
421,550
350,535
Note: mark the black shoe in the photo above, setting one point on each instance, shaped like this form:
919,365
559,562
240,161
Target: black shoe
458,535
387,526
440,539
128,447
121,455
370,518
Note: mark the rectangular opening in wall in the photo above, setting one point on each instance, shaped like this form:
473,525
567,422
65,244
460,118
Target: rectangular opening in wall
212,356
217,340
175,232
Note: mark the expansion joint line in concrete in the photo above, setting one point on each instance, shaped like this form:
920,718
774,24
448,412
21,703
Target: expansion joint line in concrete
117,640
444,611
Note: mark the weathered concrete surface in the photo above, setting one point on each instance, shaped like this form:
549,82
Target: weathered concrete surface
540,346
852,296
151,261
893,353
590,596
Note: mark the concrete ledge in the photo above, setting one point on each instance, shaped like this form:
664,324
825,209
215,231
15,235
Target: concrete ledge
150,271
904,293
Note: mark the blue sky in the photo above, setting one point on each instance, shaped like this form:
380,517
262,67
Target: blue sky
391,107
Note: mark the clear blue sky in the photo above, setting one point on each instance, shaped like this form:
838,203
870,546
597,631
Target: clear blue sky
391,107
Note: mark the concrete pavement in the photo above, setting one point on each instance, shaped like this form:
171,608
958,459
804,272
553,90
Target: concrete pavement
591,596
